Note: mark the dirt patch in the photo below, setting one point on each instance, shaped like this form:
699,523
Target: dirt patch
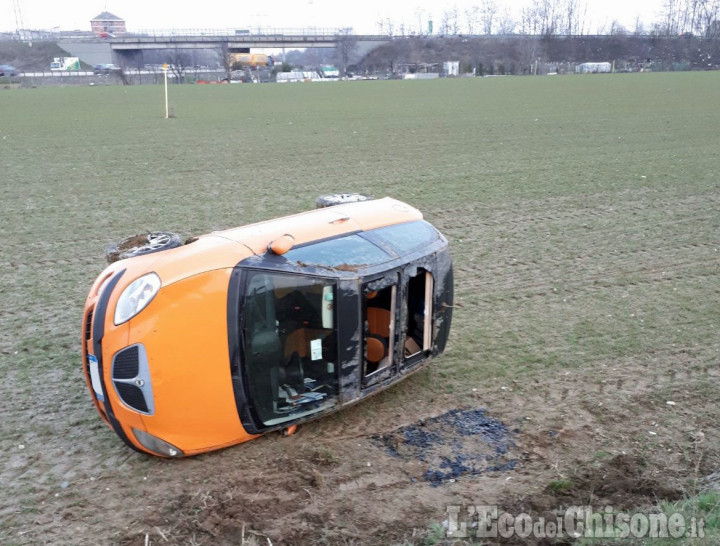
623,482
133,242
454,444
117,251
142,244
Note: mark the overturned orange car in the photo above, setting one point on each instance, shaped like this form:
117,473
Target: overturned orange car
196,347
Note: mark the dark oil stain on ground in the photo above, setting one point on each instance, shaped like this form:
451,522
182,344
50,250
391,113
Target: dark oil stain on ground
454,444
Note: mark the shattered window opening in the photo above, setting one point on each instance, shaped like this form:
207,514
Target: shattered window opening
290,346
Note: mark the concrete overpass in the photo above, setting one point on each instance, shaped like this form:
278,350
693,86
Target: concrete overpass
237,40
126,50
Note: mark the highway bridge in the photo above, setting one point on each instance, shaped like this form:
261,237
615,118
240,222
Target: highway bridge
125,49
238,39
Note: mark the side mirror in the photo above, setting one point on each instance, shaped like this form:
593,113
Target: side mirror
282,244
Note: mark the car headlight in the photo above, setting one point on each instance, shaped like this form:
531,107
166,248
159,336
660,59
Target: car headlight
135,297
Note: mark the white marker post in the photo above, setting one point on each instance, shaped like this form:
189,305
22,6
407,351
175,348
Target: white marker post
167,109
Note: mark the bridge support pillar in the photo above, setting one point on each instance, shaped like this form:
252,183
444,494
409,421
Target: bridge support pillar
129,58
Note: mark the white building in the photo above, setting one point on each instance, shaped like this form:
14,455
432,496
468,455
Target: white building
593,68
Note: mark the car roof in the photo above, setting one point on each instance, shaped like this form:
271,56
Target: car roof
227,248
323,223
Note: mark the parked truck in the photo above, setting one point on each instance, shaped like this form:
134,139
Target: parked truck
65,63
251,60
329,72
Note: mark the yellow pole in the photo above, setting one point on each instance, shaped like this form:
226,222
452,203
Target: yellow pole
167,109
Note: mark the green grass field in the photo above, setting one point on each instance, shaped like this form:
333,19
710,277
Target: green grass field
582,213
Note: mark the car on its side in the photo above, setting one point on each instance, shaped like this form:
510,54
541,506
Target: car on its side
7,70
193,347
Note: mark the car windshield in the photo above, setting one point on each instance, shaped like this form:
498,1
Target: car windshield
289,340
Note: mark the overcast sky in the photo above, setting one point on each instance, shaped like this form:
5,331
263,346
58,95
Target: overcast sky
217,14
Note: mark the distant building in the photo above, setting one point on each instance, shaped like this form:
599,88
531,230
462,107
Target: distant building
327,71
593,68
106,24
418,68
451,68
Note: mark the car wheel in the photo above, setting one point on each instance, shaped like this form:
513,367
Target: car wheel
333,199
146,243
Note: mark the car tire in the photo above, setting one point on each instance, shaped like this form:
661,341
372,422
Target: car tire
145,243
332,199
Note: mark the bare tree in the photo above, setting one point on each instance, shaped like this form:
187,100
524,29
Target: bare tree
575,14
701,17
709,19
670,23
548,12
687,16
455,20
471,19
529,20
179,62
616,29
506,24
345,44
445,22
488,14
639,29
450,22
419,13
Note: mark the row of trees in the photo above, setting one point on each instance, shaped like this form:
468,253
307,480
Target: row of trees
525,54
553,32
558,18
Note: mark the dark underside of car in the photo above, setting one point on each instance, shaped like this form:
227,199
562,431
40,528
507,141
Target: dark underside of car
329,323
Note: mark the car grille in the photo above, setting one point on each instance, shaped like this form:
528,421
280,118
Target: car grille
88,324
126,364
87,334
131,378
132,396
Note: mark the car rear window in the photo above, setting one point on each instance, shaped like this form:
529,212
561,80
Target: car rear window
367,248
404,238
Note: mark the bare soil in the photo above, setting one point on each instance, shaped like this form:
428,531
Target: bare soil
351,480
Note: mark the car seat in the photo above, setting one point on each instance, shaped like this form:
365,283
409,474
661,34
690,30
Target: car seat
377,340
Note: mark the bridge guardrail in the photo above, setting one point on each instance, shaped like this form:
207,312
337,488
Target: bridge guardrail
235,32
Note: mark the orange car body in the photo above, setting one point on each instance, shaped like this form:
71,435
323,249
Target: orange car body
172,380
